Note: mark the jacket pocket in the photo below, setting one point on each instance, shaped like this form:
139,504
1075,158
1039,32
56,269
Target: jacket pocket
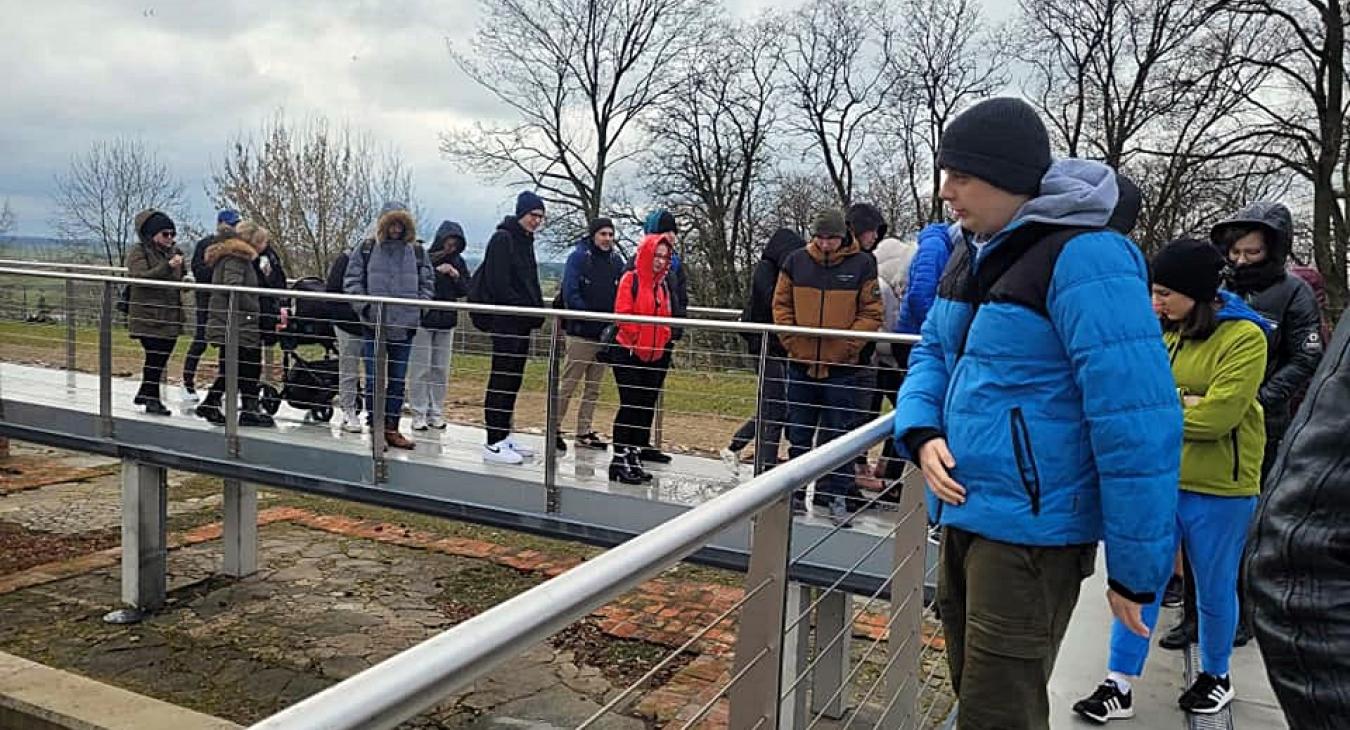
1026,458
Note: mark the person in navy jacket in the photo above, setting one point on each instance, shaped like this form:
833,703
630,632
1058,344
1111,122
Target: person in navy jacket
1040,406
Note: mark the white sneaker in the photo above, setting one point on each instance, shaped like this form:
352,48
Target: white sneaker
516,446
351,420
732,460
501,453
190,396
436,422
419,423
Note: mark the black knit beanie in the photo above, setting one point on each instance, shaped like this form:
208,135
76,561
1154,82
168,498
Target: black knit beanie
600,224
1001,141
1128,204
1191,267
157,222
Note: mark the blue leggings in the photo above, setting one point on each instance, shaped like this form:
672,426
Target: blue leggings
1213,531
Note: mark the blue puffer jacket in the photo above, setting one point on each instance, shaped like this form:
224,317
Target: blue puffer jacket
925,271
590,283
1062,414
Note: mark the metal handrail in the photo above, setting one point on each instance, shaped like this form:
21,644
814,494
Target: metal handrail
416,679
547,313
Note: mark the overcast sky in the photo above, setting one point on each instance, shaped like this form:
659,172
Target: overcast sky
188,74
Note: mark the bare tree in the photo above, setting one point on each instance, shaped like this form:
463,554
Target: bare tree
946,58
710,152
317,188
837,63
1302,116
105,187
578,76
7,218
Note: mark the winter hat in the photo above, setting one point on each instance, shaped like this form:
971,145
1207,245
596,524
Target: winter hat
528,202
1191,267
229,217
1001,141
660,221
863,217
392,206
828,223
155,223
1128,204
600,224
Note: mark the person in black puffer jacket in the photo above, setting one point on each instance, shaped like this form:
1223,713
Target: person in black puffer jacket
1298,569
271,275
759,309
429,366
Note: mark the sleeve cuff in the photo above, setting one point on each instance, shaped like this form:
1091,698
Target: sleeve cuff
1142,599
915,438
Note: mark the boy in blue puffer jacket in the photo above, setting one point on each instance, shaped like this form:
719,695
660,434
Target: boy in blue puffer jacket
1041,408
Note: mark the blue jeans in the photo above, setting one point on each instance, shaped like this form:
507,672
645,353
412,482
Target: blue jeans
398,370
1213,530
819,411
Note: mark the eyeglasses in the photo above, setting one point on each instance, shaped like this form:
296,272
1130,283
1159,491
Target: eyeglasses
170,234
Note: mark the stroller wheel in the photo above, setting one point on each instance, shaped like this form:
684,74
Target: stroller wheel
269,398
323,414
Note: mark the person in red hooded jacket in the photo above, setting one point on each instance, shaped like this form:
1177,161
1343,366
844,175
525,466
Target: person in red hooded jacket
642,359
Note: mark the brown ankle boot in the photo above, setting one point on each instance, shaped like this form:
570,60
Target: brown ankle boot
397,440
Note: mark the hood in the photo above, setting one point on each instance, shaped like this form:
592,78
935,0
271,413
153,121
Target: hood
140,220
1129,203
1235,309
1078,193
449,231
642,263
783,242
231,247
388,218
893,258
511,225
849,248
866,217
1274,217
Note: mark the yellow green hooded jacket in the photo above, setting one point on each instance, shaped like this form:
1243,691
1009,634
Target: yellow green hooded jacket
1224,435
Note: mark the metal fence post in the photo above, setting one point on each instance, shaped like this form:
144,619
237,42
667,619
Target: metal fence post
105,353
832,620
381,390
759,633
241,529
232,376
551,418
71,307
145,550
907,596
761,460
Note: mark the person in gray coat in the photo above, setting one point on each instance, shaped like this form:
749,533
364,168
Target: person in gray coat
392,264
154,314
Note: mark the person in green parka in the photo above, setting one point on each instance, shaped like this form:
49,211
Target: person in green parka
1217,346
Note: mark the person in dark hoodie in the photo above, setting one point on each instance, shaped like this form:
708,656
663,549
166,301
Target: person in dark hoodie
866,226
392,264
271,275
509,275
429,364
1256,242
226,220
759,309
662,222
590,283
1217,346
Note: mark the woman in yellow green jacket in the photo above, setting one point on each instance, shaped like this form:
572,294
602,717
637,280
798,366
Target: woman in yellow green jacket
1217,345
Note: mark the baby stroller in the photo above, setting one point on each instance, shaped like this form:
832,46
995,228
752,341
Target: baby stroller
309,385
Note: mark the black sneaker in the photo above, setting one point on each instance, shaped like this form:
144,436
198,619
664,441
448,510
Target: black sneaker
1180,636
1243,636
1208,695
655,456
1175,594
1106,704
156,408
561,445
591,440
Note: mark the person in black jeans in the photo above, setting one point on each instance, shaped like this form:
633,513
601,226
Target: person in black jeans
226,220
509,275
759,309
154,314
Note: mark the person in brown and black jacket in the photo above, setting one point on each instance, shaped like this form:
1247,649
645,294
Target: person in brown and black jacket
830,284
154,314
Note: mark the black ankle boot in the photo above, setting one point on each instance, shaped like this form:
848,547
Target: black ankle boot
634,459
210,408
252,414
156,408
621,470
1180,636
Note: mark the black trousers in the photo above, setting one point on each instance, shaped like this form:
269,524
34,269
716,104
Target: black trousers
510,352
199,344
773,410
157,352
250,369
640,383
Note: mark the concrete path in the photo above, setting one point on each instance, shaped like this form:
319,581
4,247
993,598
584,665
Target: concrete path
1082,665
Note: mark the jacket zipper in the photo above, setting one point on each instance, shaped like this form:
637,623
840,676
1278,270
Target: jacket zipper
1236,461
820,322
1176,350
1026,459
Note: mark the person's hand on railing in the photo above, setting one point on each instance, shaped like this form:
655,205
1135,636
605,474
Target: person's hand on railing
936,461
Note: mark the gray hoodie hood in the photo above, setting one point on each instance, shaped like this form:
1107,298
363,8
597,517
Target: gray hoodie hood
1074,193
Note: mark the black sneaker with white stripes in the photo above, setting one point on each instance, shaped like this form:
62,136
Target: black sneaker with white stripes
1107,703
1208,695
